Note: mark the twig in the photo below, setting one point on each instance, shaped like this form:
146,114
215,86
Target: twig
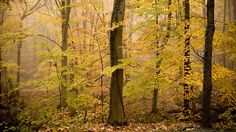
97,12
196,52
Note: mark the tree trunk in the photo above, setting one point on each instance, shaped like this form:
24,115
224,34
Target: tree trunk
65,15
1,91
116,111
204,8
187,63
234,9
169,20
84,14
2,15
224,30
19,47
207,73
230,11
224,17
154,101
158,48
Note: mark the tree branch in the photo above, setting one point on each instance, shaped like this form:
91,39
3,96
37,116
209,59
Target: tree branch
97,11
46,37
197,53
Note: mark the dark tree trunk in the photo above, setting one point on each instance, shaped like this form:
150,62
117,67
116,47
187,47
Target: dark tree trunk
154,101
19,46
207,73
2,15
234,9
116,111
187,63
65,15
1,91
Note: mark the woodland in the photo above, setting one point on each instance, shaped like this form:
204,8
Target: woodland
117,65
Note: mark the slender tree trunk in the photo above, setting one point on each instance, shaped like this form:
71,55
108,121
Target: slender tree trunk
102,68
84,14
224,18
187,63
116,111
204,8
224,29
101,80
19,47
169,20
65,15
207,73
155,90
84,23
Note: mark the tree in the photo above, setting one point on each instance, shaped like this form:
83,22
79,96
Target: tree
155,90
187,64
159,48
116,111
3,7
204,8
65,16
207,66
234,9
24,11
169,20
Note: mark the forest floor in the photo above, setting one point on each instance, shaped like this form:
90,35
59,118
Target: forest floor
154,127
140,127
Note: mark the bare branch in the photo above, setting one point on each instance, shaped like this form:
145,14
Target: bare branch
96,11
197,53
48,38
35,5
27,12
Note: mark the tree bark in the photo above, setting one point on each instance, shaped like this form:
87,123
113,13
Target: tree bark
1,91
2,17
154,101
187,63
234,9
116,111
207,73
65,15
